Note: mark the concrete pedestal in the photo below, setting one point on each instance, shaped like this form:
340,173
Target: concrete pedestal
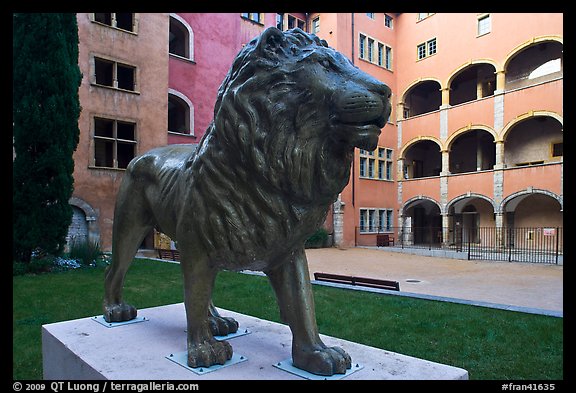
87,349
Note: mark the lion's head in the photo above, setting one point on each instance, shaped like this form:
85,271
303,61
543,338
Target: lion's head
293,109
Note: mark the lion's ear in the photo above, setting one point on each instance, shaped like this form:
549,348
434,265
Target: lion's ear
270,42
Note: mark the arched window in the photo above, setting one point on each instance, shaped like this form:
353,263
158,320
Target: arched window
180,113
180,38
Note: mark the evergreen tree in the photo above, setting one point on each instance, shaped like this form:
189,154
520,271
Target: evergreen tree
46,108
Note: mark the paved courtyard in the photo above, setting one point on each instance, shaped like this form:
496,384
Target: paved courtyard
530,285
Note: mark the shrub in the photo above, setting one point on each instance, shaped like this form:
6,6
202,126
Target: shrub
85,253
318,239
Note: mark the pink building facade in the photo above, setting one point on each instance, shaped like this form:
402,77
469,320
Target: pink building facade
474,139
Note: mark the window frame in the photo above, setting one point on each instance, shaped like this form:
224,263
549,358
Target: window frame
94,58
114,140
316,25
377,166
255,17
480,19
189,44
369,50
374,220
388,21
114,21
425,49
189,116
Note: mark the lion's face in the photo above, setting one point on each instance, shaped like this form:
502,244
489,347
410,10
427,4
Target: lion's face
291,105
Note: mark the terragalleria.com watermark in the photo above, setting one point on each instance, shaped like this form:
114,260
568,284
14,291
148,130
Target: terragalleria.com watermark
101,387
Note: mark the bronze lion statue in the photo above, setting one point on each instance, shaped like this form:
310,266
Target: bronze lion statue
288,116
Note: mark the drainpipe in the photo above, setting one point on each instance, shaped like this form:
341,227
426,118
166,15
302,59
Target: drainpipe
353,39
354,160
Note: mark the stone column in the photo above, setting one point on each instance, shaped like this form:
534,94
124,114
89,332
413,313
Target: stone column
445,97
445,229
445,163
500,81
338,217
499,219
400,111
499,155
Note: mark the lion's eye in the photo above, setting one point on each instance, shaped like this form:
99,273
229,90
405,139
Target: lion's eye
325,63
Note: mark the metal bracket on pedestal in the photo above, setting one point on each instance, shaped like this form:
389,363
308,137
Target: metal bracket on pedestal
181,358
286,365
100,319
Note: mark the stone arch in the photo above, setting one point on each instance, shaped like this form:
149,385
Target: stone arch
91,217
530,191
419,198
416,83
472,195
526,116
526,44
463,130
462,67
413,141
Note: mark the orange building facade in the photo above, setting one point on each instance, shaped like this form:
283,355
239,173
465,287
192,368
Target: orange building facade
474,139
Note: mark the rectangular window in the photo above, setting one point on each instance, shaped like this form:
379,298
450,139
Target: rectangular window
423,15
362,167
376,165
112,74
426,49
421,50
376,220
114,143
370,49
119,20
280,21
371,15
431,46
388,227
363,220
557,149
374,51
316,25
388,21
372,220
295,22
253,16
484,24
371,162
388,64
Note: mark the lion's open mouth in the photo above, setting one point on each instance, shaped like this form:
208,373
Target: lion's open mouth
362,135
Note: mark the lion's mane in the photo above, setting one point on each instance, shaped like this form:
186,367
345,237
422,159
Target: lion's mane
266,167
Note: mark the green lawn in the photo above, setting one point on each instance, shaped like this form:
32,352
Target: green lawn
489,343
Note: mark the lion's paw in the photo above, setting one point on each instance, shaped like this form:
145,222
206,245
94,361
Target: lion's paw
324,361
208,353
119,312
222,326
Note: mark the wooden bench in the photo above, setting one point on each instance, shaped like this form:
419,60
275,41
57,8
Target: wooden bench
361,281
384,240
173,255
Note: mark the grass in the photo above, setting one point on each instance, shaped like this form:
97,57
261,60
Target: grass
491,344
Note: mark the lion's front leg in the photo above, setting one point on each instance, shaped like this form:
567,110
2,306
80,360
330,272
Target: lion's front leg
203,349
291,282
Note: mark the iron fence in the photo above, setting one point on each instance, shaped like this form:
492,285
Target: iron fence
524,244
